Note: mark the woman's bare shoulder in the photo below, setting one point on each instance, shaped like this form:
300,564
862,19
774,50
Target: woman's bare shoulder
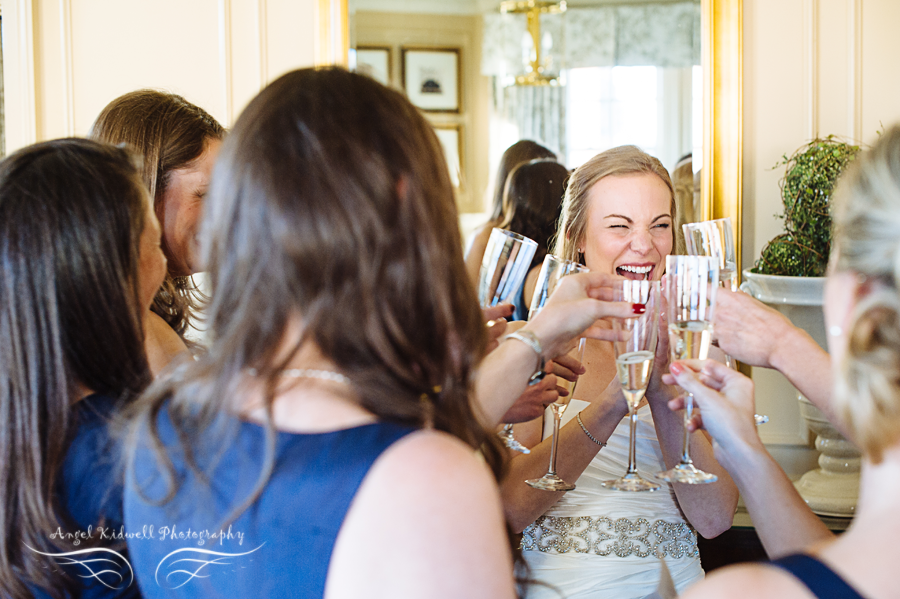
748,581
427,521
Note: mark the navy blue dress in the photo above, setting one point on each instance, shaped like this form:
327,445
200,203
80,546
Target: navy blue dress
90,491
281,545
822,581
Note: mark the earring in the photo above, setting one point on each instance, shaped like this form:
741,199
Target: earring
835,331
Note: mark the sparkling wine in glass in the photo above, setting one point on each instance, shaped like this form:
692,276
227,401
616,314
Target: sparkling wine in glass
552,271
634,364
715,238
691,287
507,259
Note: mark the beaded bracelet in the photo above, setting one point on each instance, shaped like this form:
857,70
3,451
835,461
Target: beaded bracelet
531,340
587,432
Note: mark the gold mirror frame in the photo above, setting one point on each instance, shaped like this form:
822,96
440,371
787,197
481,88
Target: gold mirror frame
722,98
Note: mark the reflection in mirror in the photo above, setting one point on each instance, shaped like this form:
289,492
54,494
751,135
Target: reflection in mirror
622,73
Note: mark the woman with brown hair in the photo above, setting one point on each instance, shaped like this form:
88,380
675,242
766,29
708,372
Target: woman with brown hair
532,203
178,142
80,256
598,542
334,419
520,152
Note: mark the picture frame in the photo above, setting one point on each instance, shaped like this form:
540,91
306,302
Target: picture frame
374,61
431,78
451,139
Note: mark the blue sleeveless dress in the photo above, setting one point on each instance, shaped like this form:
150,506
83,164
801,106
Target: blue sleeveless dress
279,546
822,581
90,491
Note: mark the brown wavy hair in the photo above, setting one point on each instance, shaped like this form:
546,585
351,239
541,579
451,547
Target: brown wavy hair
71,216
532,202
867,242
330,200
523,150
169,133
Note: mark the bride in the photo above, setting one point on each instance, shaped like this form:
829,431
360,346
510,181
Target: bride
595,542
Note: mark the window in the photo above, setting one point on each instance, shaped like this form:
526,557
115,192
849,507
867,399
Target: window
656,109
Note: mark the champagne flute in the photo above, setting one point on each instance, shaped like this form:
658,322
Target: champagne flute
507,258
552,271
715,238
691,287
634,363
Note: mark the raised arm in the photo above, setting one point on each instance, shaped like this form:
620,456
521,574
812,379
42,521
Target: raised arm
758,335
709,507
578,302
783,521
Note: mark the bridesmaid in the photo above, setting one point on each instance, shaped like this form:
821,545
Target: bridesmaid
80,255
178,143
324,446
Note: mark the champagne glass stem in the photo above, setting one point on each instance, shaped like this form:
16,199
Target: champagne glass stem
557,416
632,458
688,413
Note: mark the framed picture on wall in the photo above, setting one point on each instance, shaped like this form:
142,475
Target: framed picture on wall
450,137
374,61
431,78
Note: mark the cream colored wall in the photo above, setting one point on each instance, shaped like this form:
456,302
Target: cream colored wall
397,30
66,59
811,68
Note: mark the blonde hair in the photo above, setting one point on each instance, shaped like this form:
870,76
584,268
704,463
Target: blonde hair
624,160
867,233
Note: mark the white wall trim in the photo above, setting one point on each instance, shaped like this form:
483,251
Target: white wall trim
263,32
855,101
19,77
811,66
225,62
68,83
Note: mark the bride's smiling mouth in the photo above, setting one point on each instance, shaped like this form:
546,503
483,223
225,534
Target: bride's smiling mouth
636,272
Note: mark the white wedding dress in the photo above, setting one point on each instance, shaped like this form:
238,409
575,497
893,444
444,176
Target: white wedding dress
598,543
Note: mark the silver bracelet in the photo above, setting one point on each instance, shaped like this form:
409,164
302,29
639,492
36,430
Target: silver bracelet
587,432
531,340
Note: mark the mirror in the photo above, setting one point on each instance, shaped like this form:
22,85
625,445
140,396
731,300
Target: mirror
400,40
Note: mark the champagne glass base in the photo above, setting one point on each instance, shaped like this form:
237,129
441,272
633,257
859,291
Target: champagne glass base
631,483
549,482
688,474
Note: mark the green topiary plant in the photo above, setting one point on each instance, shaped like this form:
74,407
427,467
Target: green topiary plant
806,191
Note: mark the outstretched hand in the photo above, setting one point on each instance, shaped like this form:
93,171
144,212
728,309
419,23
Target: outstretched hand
725,399
747,329
578,302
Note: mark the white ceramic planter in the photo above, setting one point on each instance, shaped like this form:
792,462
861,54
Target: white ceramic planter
833,488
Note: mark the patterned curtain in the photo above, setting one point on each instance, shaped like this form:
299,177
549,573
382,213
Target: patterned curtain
663,35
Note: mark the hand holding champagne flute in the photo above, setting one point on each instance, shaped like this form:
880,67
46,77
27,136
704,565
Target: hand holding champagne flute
552,271
691,287
504,267
634,364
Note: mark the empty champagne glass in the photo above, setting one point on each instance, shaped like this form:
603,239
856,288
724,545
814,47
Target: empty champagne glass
715,238
634,363
507,259
691,284
552,271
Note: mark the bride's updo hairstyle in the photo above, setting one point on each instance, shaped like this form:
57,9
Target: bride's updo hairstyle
867,242
615,162
331,207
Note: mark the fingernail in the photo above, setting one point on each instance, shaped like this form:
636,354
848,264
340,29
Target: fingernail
638,308
676,368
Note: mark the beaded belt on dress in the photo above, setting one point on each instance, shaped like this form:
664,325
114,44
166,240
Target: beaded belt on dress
604,536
